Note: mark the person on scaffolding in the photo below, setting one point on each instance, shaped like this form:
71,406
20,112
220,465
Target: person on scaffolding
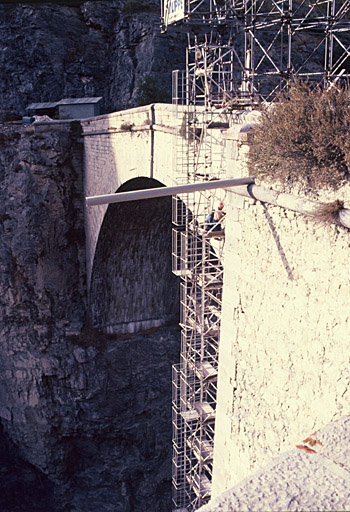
213,220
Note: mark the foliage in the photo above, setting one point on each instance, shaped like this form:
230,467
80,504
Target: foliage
9,116
149,91
304,138
137,6
328,213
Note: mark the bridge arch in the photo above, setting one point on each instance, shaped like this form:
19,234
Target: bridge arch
132,287
118,147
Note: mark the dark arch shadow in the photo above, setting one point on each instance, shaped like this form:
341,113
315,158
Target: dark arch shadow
132,285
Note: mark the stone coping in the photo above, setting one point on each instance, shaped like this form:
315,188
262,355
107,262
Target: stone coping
291,202
313,476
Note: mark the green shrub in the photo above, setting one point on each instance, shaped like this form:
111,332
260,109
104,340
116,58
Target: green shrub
148,91
304,138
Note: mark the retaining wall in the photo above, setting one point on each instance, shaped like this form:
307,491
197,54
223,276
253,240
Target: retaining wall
285,336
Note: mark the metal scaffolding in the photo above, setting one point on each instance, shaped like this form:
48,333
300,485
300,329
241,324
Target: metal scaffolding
198,260
205,93
262,44
240,52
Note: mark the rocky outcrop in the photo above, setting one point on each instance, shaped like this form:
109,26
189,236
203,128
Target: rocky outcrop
97,48
90,411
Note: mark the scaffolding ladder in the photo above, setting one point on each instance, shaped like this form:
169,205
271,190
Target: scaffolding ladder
198,261
195,377
204,99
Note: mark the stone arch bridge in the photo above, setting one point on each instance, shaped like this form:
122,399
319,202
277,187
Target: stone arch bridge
130,283
131,287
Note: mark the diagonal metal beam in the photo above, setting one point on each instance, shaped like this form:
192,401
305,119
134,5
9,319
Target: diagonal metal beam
150,193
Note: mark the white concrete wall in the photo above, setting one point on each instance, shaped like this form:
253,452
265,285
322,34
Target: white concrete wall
284,367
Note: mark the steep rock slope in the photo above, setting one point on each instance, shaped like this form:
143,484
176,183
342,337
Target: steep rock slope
85,410
97,48
91,412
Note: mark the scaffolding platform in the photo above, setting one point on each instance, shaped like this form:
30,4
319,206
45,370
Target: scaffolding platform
204,328
190,415
205,410
183,273
210,282
211,233
201,410
202,449
201,485
206,370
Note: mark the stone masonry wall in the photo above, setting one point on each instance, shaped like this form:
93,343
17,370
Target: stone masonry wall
132,286
285,337
120,147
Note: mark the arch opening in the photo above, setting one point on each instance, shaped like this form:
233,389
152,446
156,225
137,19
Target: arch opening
132,285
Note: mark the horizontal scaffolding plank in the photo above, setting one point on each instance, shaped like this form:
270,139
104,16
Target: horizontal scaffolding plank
211,234
201,485
200,329
206,369
190,415
210,283
205,410
202,449
182,273
202,410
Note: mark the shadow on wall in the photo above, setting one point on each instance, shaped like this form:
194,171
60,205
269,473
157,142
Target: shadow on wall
278,243
132,285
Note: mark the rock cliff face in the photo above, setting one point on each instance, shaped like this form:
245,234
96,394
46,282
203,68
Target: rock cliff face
90,411
97,48
90,414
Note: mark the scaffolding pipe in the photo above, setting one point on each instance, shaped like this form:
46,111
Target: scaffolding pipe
150,193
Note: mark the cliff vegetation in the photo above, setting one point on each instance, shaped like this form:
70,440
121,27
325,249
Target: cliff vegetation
303,138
